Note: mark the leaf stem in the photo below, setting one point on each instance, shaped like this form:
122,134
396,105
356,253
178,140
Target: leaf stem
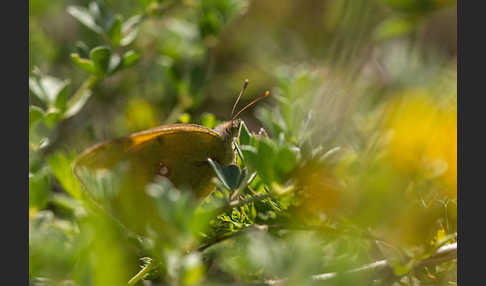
87,84
141,273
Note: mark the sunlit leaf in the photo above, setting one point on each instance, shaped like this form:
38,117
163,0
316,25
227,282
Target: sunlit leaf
35,115
61,167
130,58
115,31
100,56
84,64
39,189
244,135
84,16
76,105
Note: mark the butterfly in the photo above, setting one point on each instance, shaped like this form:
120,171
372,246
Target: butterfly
178,152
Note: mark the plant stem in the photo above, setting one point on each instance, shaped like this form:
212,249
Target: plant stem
445,253
141,273
87,84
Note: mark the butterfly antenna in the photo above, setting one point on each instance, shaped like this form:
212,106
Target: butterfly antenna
267,93
239,96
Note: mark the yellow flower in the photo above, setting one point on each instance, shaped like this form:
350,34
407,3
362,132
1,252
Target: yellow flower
424,137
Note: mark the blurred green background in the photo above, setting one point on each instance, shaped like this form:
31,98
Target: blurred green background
362,123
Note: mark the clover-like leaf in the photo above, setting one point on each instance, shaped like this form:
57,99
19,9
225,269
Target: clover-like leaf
100,56
219,172
232,176
84,64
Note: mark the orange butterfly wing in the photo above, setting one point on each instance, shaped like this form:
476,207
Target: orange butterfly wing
177,151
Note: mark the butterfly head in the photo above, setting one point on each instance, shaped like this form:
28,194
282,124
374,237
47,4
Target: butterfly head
229,129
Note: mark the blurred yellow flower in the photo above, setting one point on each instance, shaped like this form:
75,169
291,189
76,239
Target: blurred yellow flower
139,115
321,192
424,136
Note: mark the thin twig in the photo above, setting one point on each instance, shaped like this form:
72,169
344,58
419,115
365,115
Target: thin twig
445,253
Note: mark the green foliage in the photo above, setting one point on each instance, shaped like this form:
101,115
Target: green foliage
39,189
60,166
351,160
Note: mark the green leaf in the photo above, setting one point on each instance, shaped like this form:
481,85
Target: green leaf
82,49
100,56
287,160
84,16
219,172
84,64
62,97
35,115
115,64
244,135
129,30
39,189
242,177
266,160
251,178
115,31
52,117
48,88
37,89
238,149
250,153
232,176
53,87
60,165
130,58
